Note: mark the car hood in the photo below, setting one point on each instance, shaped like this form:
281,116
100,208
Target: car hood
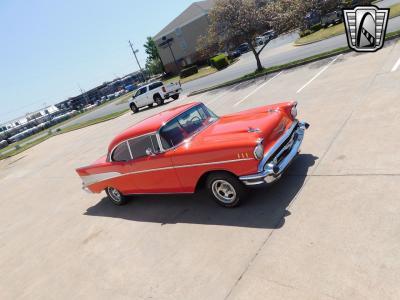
245,128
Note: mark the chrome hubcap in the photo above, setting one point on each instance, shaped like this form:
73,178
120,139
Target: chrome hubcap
114,194
223,191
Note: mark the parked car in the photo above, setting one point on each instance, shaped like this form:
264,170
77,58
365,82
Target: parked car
155,92
186,147
234,54
261,40
312,18
243,48
270,35
332,18
3,144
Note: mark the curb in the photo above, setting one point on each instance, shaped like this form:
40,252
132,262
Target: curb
290,65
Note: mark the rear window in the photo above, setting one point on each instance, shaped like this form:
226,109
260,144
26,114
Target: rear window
141,144
121,153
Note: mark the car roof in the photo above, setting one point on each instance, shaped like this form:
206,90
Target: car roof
149,125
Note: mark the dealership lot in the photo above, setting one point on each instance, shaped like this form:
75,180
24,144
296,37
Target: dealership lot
328,230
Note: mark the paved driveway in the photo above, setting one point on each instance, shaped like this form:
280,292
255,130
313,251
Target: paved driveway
329,229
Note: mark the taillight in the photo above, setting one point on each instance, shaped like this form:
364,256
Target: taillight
293,111
163,89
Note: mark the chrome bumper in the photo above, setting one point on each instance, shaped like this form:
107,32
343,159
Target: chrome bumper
290,144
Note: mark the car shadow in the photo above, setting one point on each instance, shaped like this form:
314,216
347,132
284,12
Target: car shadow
264,207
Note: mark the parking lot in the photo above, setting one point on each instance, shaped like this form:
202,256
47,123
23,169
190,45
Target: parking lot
329,229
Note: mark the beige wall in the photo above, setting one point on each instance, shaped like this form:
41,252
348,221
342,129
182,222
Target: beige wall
184,44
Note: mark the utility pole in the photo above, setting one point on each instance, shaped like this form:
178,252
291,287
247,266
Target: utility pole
83,94
134,53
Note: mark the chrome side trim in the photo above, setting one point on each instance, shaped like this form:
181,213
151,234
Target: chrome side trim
91,179
279,143
95,178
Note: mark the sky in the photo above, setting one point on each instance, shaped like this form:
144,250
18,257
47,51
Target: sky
50,48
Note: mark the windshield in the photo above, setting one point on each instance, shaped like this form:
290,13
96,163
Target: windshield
185,125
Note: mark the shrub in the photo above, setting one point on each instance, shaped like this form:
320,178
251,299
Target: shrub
219,62
316,27
305,33
189,71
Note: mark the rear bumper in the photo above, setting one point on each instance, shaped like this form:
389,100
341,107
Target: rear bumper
174,92
289,148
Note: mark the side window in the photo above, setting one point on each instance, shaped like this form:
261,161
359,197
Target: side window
141,91
141,144
155,85
121,153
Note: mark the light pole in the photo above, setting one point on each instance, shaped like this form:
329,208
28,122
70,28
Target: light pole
167,42
134,53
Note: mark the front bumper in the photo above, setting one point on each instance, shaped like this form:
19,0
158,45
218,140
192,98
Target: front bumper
276,160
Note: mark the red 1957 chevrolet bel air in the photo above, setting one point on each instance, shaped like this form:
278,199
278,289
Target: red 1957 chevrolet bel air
187,147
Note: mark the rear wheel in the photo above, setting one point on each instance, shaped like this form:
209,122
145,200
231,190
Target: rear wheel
158,100
134,108
116,196
225,189
175,97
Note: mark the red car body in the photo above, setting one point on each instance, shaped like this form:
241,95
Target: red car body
226,143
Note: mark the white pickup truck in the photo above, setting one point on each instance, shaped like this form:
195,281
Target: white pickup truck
155,92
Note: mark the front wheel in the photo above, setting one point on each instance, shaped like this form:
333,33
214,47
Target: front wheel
134,108
225,189
175,97
116,196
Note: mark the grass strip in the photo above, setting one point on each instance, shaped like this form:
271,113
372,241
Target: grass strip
94,121
201,73
18,149
292,64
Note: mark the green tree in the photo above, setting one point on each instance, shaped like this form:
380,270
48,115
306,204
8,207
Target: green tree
153,62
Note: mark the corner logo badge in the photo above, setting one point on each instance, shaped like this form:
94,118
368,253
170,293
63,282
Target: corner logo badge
366,27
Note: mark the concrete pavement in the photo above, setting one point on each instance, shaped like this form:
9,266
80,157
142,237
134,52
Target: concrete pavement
328,230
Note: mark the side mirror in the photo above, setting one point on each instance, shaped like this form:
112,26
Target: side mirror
149,152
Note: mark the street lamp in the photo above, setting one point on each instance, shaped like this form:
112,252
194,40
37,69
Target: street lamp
167,42
134,53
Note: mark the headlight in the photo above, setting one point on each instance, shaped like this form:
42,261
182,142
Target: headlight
259,152
293,111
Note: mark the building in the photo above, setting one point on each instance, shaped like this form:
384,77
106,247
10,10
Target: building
96,93
183,33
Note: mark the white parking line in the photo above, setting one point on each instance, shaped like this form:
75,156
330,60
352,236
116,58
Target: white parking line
319,73
396,65
255,90
224,93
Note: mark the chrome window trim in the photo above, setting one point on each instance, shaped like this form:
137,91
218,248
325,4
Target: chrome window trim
191,137
157,133
129,148
127,143
279,143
